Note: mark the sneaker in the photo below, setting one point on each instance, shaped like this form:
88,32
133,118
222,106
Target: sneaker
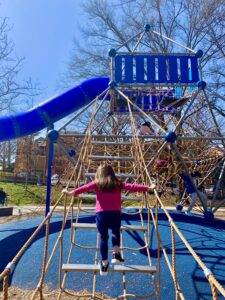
103,269
188,213
117,259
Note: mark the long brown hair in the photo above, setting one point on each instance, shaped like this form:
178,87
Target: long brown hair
106,179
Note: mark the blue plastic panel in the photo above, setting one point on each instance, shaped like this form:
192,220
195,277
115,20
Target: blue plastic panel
162,69
136,68
141,73
118,68
151,69
173,69
184,69
128,68
194,69
155,101
149,102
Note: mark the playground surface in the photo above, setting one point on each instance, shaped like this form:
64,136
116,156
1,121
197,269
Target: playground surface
27,212
207,239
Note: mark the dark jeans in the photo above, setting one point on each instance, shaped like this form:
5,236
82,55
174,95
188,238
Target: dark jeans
108,220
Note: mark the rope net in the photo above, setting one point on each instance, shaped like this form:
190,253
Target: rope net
112,135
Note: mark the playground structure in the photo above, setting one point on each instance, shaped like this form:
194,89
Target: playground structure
165,89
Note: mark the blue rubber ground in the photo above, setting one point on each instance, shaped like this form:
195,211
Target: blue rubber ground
207,239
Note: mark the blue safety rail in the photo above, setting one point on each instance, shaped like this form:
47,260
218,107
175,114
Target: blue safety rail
146,101
156,69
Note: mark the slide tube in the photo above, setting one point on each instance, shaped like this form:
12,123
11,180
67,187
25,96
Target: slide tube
52,110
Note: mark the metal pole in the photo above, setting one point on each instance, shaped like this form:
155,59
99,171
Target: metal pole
215,93
186,111
144,137
126,42
169,39
218,184
61,145
139,40
53,136
48,193
189,176
218,206
213,116
83,109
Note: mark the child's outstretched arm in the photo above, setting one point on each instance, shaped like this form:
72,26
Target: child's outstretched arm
82,189
135,187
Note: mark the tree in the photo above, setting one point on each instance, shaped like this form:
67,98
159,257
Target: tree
13,94
10,88
197,25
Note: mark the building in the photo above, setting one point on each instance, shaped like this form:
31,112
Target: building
32,156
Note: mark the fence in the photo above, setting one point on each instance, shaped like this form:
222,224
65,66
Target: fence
27,179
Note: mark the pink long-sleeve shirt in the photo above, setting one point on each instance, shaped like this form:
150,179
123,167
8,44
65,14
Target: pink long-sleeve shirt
107,201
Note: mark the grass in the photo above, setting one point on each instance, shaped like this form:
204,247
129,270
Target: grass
20,194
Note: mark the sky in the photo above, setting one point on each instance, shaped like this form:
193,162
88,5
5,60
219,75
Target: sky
43,31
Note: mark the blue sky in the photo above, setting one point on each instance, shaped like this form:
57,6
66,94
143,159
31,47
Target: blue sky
43,31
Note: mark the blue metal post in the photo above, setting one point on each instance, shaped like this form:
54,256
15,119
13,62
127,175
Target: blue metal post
53,136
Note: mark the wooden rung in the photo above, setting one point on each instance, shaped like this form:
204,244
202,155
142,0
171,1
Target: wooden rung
97,157
123,227
125,175
113,268
111,143
90,196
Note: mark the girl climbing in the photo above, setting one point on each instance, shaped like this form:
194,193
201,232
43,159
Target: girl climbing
108,189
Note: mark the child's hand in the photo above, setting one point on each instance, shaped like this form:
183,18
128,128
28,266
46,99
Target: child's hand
152,187
65,192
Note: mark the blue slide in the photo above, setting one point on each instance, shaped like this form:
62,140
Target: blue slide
52,110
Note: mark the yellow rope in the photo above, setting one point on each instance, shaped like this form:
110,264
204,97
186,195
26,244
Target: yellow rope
174,262
136,167
40,284
214,292
211,277
6,285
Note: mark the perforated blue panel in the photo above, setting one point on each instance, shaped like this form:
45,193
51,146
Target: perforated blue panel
147,102
136,68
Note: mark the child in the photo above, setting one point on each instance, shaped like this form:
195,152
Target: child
145,129
108,208
162,165
3,196
190,189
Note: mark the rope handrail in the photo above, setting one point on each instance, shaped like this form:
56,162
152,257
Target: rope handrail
210,276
